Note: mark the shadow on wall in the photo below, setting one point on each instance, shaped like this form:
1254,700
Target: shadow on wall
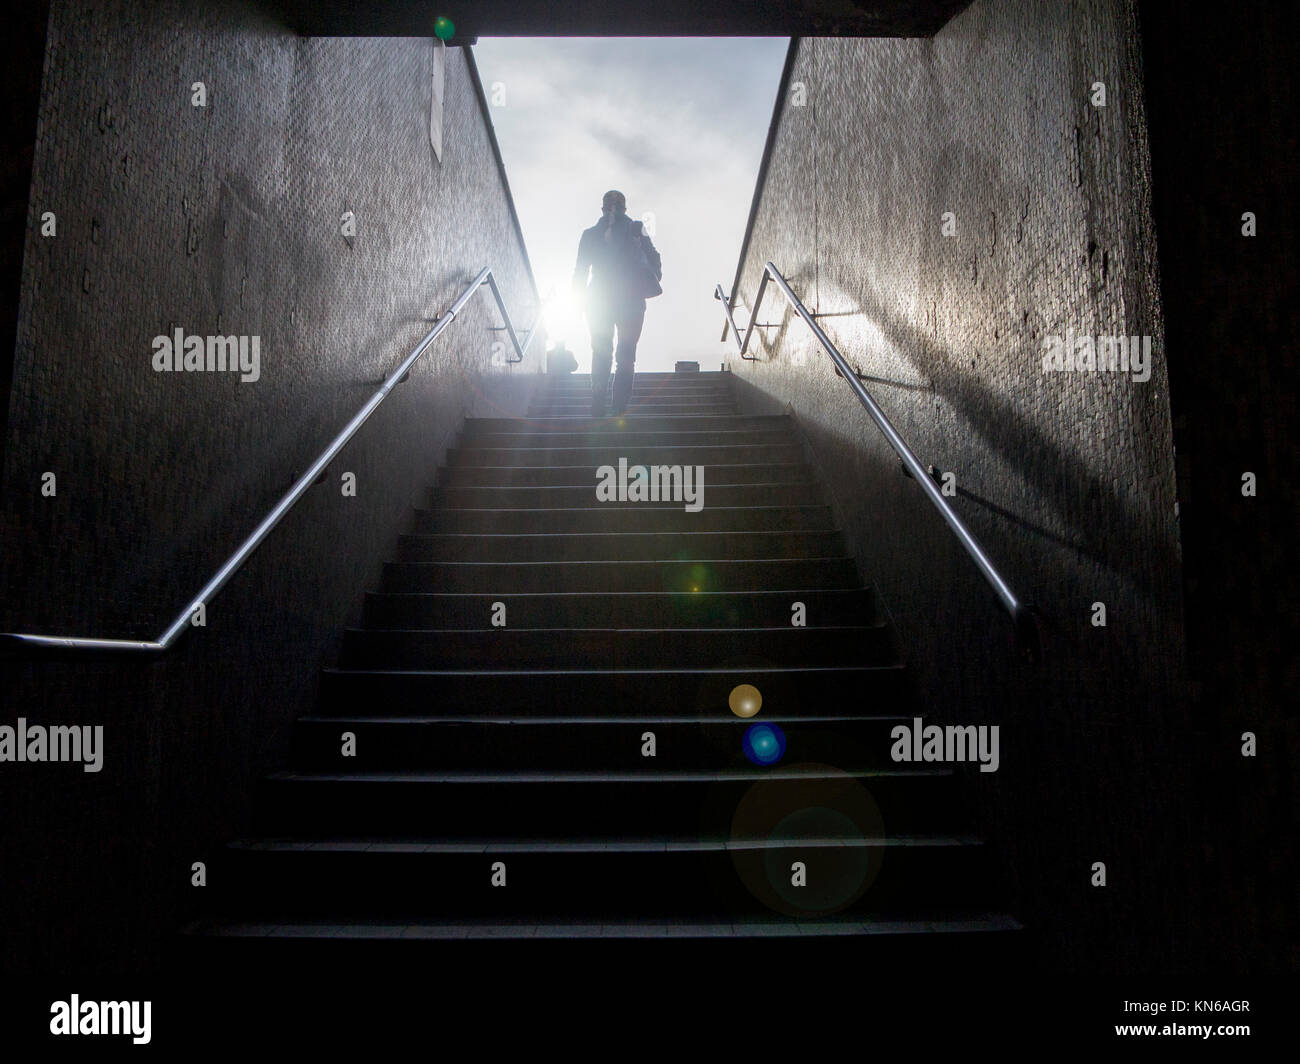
988,414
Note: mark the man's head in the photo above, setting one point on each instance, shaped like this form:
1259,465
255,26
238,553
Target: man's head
614,203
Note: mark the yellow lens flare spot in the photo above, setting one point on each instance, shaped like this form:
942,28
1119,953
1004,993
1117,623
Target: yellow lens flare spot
745,700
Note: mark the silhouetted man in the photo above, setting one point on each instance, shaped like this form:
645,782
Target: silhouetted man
625,270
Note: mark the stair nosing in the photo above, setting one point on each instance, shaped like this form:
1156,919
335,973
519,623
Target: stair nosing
554,487
380,845
659,776
633,671
606,594
371,629
738,722
422,510
923,924
643,561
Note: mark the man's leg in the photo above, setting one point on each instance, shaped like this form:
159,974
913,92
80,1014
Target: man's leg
602,353
629,332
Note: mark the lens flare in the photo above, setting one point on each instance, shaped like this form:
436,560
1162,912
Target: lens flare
764,744
562,317
745,700
815,814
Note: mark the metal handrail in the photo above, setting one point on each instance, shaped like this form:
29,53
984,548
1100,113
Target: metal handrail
1022,615
300,486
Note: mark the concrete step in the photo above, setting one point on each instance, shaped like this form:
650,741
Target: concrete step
625,519
560,648
641,402
632,436
543,476
540,426
409,879
616,546
583,408
642,378
487,805
918,941
669,454
459,741
689,693
640,609
640,386
570,497
664,406
685,577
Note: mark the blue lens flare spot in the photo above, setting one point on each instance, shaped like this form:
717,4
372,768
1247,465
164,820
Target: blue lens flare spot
764,744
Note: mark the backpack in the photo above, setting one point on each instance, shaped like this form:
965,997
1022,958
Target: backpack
647,278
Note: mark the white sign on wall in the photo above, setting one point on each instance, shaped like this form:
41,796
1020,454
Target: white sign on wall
435,104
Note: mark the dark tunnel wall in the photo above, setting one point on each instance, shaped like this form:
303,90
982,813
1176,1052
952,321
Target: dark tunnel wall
1221,101
223,219
1067,479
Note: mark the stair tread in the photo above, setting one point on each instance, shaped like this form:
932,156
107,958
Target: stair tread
621,721
425,510
619,430
620,845
585,484
664,776
515,536
693,630
343,927
592,486
596,465
737,447
633,671
604,594
568,419
650,561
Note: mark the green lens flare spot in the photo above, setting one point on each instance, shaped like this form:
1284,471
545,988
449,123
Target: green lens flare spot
443,27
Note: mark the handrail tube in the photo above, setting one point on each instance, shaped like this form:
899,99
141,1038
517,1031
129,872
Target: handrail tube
300,486
753,316
505,316
1019,612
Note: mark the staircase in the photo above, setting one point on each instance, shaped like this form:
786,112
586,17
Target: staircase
501,785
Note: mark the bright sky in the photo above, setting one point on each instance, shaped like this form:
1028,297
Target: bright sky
677,124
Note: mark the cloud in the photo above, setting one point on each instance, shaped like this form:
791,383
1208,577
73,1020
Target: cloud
677,124
639,154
